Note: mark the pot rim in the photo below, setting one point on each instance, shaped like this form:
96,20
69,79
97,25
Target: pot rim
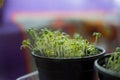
102,52
105,71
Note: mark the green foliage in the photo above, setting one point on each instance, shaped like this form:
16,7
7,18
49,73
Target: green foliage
58,44
113,62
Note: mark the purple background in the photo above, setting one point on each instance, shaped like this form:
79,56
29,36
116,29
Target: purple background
12,6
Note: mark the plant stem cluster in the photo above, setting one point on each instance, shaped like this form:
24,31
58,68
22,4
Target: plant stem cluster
58,44
113,62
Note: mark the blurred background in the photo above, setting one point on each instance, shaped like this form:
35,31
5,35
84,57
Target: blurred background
81,16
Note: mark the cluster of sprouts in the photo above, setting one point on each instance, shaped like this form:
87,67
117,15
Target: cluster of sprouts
113,62
59,44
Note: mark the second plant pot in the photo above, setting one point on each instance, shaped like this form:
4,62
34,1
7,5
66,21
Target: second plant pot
67,69
103,73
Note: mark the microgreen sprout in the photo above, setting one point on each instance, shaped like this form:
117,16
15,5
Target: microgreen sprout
58,44
97,35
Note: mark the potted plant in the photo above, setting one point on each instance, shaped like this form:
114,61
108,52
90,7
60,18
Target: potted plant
59,57
108,67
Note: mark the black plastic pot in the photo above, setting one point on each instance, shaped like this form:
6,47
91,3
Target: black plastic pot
103,73
67,69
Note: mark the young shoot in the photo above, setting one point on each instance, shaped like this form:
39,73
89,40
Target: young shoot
97,35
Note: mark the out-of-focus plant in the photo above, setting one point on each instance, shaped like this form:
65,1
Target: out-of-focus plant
113,62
